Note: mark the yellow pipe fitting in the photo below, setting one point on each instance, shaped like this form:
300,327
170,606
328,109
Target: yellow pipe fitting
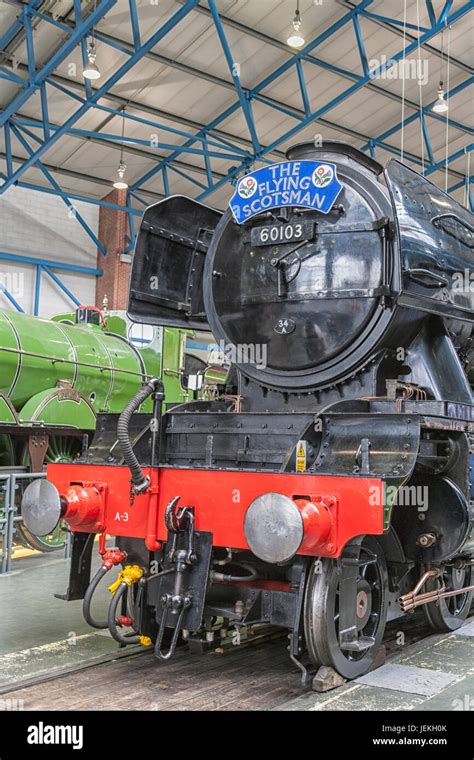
129,575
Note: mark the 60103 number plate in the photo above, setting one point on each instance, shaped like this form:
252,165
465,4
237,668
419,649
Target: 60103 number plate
276,234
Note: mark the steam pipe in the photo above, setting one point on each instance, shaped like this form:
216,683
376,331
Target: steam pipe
155,385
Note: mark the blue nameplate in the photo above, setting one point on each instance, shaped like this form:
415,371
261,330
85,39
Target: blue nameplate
312,184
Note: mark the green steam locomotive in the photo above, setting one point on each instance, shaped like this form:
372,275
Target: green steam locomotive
57,376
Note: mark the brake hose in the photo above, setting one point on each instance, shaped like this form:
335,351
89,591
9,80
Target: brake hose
110,558
112,621
86,605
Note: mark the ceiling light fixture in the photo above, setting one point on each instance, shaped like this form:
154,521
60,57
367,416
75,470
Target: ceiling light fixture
441,105
120,183
91,70
295,37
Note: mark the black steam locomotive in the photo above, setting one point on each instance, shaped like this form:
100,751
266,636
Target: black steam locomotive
327,487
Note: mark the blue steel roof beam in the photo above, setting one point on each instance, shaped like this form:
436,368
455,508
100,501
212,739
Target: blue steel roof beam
76,196
359,83
354,77
216,141
445,12
453,157
18,25
101,91
303,88
52,21
84,48
342,96
8,147
75,214
61,265
61,285
413,160
11,77
134,22
462,183
34,82
37,289
393,25
193,180
137,198
125,47
426,137
108,137
329,32
431,13
274,104
127,148
131,227
426,110
234,70
227,21
44,111
7,293
82,198
30,48
264,99
207,164
361,46
346,130
397,22
166,183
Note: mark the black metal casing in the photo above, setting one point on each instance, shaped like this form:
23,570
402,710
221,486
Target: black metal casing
379,262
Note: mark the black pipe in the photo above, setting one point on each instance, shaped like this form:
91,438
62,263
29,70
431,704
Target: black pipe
86,605
139,480
112,621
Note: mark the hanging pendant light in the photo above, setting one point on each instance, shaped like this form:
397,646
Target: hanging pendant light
441,105
91,70
120,183
295,37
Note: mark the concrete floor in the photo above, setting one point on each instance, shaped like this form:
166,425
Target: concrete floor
41,635
451,654
38,632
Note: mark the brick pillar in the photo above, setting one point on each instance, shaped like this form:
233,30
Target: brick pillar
113,227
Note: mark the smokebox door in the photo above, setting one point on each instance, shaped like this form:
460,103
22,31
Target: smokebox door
167,268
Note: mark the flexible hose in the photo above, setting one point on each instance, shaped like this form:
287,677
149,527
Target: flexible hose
253,575
139,480
86,604
112,621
